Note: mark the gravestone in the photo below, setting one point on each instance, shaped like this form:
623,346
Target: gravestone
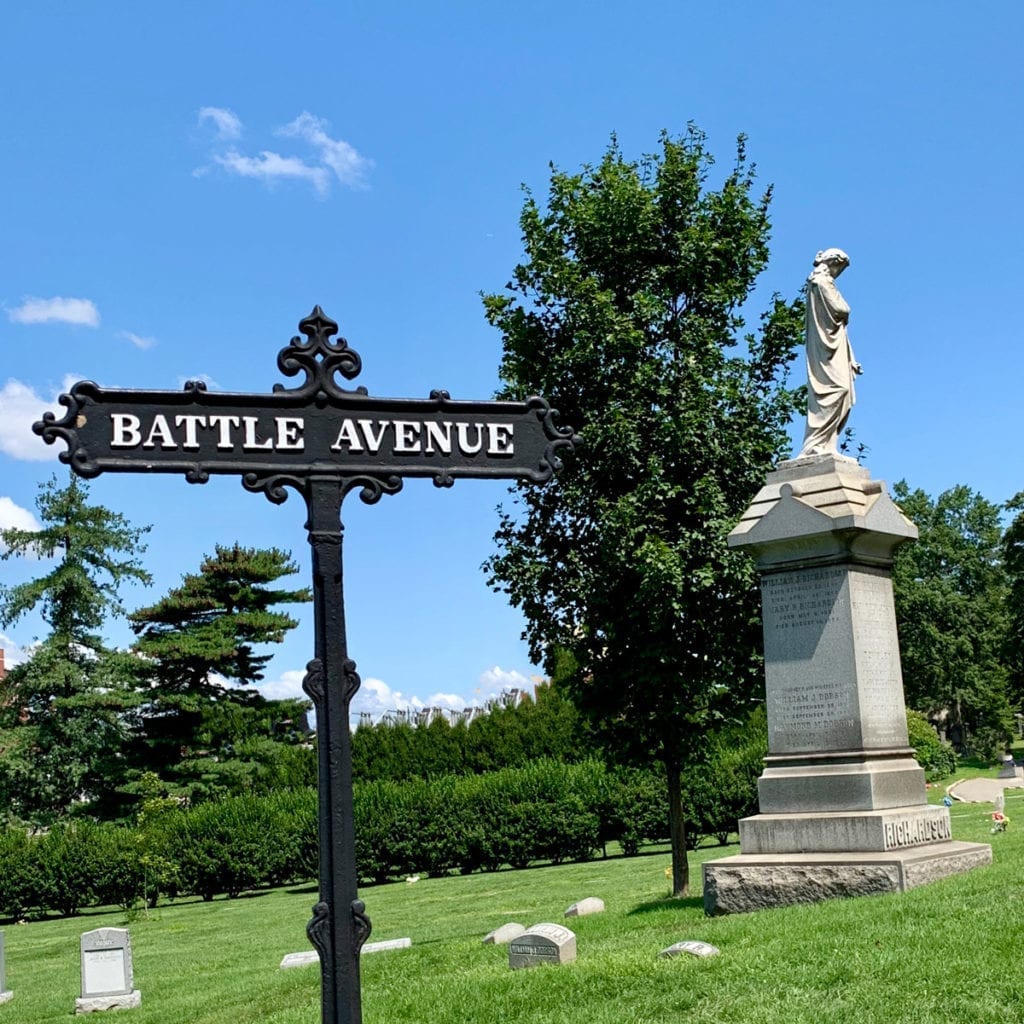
692,946
506,933
591,905
843,807
311,956
542,944
5,993
107,982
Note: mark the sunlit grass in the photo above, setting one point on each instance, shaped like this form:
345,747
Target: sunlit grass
947,952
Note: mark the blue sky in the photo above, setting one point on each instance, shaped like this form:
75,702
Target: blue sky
180,184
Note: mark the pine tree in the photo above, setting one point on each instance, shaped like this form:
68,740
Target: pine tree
66,712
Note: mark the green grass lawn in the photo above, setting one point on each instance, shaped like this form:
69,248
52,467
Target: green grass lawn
949,952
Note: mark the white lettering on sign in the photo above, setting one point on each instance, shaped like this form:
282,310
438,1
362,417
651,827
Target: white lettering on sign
188,431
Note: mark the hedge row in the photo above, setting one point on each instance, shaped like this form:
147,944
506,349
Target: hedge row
546,811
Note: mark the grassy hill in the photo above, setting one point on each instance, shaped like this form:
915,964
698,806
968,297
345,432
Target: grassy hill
950,952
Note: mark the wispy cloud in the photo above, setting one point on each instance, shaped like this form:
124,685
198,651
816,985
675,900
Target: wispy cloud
20,407
56,310
326,160
225,121
271,167
137,339
348,166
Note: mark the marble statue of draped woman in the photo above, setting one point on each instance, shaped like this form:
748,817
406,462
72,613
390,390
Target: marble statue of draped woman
831,367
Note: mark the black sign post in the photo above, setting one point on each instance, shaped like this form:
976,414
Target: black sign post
323,441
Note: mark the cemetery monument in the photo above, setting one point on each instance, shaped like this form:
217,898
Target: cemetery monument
843,809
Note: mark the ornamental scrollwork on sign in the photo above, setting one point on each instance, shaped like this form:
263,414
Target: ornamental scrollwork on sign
320,359
361,925
318,932
313,682
350,680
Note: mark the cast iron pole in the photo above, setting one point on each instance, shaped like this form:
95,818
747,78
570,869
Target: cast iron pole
339,926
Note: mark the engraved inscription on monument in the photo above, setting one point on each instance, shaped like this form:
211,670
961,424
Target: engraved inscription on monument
916,831
807,646
879,678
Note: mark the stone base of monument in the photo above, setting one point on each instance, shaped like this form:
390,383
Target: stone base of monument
6,997
844,809
748,881
91,1004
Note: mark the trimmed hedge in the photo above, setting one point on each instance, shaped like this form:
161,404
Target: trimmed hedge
547,811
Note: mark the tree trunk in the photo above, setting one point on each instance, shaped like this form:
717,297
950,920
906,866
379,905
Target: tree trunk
677,831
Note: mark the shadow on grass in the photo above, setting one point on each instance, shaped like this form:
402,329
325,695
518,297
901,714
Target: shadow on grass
669,903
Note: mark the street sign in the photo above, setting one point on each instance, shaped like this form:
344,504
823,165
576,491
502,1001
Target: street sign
321,440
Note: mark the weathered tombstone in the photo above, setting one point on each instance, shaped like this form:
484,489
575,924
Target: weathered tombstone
107,982
323,441
506,933
692,946
302,959
542,944
843,804
311,956
384,945
5,993
1007,770
591,905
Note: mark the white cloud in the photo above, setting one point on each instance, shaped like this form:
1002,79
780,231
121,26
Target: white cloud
225,121
328,160
497,678
348,166
138,340
20,407
272,167
287,686
56,310
14,516
13,653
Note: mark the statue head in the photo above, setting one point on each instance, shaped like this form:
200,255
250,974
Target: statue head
835,259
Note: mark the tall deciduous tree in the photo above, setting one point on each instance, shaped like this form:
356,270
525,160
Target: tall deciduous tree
204,632
626,315
64,711
951,590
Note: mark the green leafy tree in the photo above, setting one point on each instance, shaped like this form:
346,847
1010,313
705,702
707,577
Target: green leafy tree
1013,562
626,314
951,592
66,711
208,737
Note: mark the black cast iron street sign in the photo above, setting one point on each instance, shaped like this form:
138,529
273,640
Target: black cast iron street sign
322,440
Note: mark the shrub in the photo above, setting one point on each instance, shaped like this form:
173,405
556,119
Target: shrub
938,759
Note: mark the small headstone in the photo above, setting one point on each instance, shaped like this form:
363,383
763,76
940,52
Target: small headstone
307,956
542,944
311,956
379,947
107,982
5,995
1008,770
591,905
999,804
692,946
506,933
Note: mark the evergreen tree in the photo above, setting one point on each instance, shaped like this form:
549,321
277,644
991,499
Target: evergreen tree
626,316
202,635
66,711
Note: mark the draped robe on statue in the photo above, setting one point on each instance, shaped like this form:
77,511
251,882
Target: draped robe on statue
830,391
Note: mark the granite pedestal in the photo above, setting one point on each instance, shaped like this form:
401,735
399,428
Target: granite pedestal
842,800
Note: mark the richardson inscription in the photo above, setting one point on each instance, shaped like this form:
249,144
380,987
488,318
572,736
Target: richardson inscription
916,831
